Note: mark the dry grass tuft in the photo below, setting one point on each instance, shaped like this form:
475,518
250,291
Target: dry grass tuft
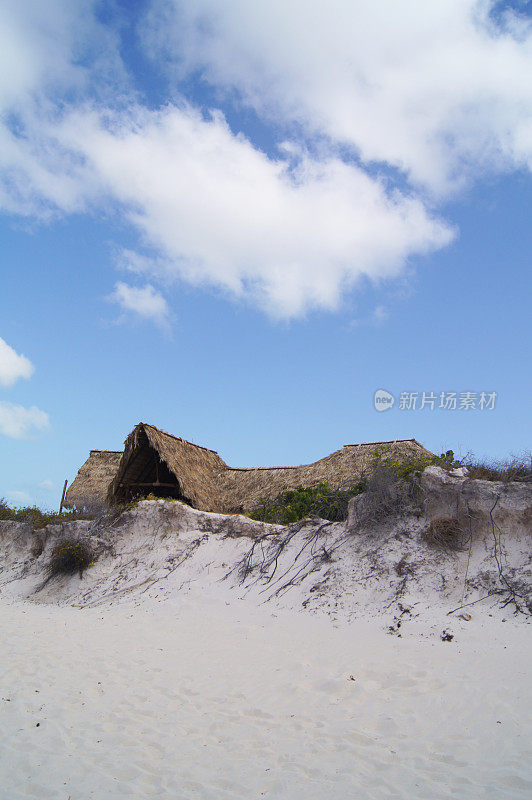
517,468
445,533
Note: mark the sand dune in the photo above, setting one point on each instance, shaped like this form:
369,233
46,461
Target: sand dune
214,657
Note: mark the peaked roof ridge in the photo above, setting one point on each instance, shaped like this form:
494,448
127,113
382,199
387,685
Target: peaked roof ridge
177,438
324,458
106,451
384,441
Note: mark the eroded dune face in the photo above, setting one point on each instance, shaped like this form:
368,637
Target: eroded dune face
363,565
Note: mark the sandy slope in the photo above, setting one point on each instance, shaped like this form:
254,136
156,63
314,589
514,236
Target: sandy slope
205,656
193,698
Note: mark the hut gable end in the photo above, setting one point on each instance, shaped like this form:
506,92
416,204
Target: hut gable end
167,466
91,484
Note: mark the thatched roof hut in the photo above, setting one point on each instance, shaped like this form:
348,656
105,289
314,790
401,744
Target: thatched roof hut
168,466
155,462
90,487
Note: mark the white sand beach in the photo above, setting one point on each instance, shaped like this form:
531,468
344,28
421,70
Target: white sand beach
194,698
209,656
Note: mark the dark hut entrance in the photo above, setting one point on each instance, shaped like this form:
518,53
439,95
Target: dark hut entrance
146,473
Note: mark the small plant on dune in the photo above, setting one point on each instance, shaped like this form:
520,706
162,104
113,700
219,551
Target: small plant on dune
411,467
517,468
5,510
445,533
320,501
393,484
71,555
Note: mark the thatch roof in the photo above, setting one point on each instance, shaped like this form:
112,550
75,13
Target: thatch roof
243,489
90,487
192,467
168,466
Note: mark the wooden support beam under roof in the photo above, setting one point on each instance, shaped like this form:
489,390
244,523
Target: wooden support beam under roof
150,483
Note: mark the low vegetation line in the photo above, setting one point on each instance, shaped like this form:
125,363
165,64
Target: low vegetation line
385,473
320,500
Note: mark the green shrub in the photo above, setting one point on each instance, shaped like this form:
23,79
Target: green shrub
35,517
518,468
320,501
5,510
71,555
411,467
391,481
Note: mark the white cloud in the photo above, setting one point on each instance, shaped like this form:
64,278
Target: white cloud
431,88
47,51
12,365
436,89
47,485
147,302
291,234
18,422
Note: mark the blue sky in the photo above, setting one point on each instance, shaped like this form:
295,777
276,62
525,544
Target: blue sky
239,221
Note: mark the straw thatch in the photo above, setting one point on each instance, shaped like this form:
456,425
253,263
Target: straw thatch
168,466
165,465
90,487
244,489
